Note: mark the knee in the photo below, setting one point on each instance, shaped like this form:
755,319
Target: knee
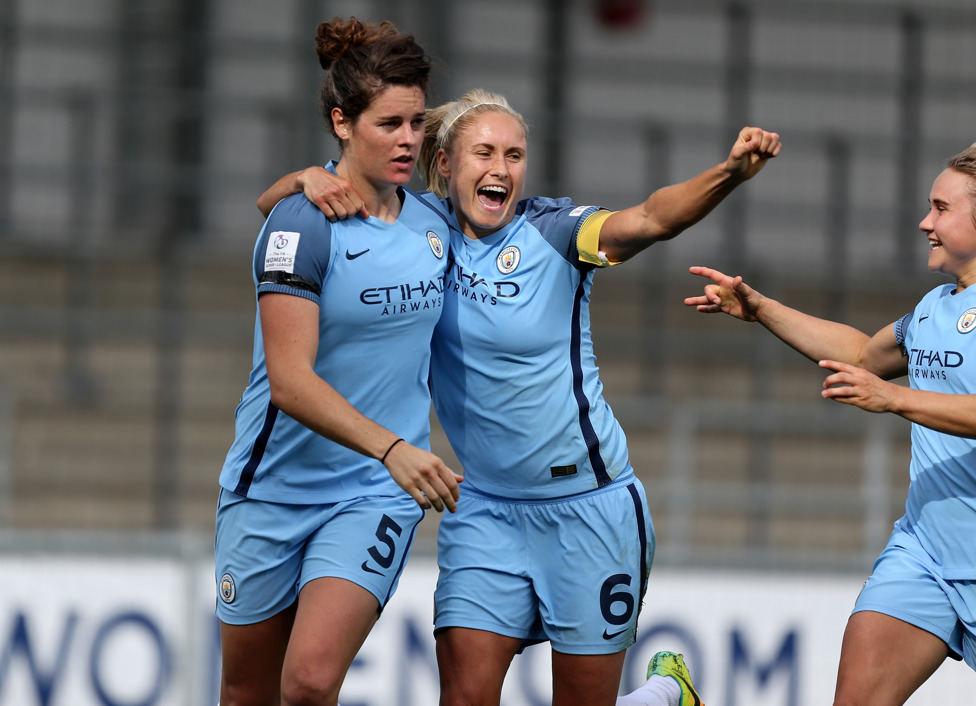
310,688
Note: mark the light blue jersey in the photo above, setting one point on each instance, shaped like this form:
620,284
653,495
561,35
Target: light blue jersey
379,287
939,338
514,377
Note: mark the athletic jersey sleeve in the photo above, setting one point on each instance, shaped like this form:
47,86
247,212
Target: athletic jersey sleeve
901,328
560,222
588,241
293,251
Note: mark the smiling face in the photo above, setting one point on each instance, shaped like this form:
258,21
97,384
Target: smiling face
485,171
380,147
951,227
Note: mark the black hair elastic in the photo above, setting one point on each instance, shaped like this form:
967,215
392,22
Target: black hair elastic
383,460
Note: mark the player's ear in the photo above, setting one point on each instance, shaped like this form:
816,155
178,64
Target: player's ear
443,164
339,124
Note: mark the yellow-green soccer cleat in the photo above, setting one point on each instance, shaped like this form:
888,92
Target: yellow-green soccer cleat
671,664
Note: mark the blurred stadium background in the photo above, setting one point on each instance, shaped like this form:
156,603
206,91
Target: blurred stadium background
136,135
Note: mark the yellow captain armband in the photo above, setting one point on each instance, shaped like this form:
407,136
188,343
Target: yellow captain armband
588,240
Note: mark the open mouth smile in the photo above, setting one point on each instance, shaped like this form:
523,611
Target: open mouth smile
492,197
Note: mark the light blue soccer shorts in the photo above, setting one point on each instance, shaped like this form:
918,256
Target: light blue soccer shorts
571,570
907,584
266,552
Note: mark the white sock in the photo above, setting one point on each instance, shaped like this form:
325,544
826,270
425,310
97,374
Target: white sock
656,691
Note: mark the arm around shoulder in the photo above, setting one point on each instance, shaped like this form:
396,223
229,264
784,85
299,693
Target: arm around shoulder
332,194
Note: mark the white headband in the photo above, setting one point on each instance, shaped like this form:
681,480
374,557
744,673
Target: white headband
444,130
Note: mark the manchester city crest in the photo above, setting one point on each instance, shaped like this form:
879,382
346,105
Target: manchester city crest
227,589
508,260
436,246
967,322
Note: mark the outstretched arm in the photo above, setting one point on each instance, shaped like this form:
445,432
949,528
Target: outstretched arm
860,365
334,196
817,339
672,209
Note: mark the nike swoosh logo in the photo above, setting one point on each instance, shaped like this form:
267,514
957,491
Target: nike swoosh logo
365,567
610,636
922,318
354,255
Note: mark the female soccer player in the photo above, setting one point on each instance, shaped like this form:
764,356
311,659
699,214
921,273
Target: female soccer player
330,469
919,604
552,539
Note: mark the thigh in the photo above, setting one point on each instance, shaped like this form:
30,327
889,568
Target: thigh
333,619
586,680
590,559
472,665
884,660
251,660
